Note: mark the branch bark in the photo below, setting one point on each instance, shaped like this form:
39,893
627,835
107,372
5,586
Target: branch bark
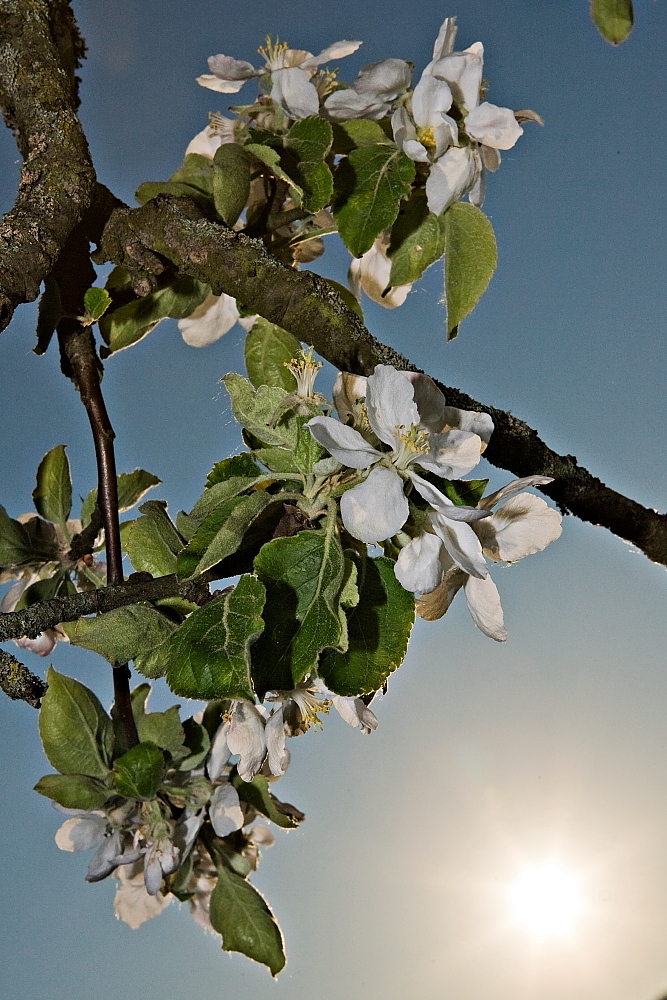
174,231
40,48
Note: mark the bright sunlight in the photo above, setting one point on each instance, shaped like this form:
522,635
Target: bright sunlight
546,900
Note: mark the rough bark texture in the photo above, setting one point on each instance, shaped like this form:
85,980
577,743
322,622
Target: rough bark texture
18,682
174,231
40,48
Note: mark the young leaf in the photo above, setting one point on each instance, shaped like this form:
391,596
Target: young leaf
53,493
96,301
122,634
316,180
256,793
152,542
76,732
303,575
132,486
197,742
196,171
417,240
255,409
271,159
356,132
209,655
378,632
150,189
613,19
470,260
129,323
164,729
236,465
14,541
246,924
268,348
138,773
370,184
217,494
73,791
231,181
221,534
310,138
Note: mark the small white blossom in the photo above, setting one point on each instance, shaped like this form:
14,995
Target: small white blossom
212,319
373,92
371,272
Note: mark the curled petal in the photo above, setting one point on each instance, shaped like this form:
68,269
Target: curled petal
347,390
429,400
433,606
450,178
356,713
82,832
336,51
463,73
390,403
42,645
462,544
484,605
225,811
294,92
418,567
416,151
444,43
278,754
493,126
371,272
132,904
511,489
524,525
443,504
345,104
490,158
246,738
480,424
261,835
220,753
227,68
385,80
377,508
345,443
105,858
212,318
431,99
212,82
452,454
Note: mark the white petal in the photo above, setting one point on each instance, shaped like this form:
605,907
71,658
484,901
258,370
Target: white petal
336,51
220,753
343,442
347,390
372,271
462,544
132,904
42,645
444,43
11,596
278,755
511,489
104,860
429,400
294,93
490,158
390,403
415,151
384,80
418,567
81,833
453,454
212,318
355,712
431,97
445,134
477,423
525,524
246,738
443,504
402,126
377,508
463,73
152,873
225,811
477,192
261,835
433,606
212,82
228,68
344,104
493,126
484,604
205,143
450,177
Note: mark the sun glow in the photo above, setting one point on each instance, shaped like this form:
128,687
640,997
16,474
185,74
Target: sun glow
546,900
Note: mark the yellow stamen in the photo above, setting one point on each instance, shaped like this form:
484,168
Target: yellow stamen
304,368
426,137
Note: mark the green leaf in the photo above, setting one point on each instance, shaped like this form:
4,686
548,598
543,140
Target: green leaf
303,575
271,158
209,655
76,732
96,301
196,171
370,184
254,408
221,534
317,182
138,773
14,541
213,497
129,323
246,924
268,348
417,240
349,595
356,132
164,729
378,632
310,138
236,465
58,585
470,260
73,791
277,459
151,189
256,793
49,314
122,634
231,180
613,19
198,743
53,492
132,486
152,542
463,492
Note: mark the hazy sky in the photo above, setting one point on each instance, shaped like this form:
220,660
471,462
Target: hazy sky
488,758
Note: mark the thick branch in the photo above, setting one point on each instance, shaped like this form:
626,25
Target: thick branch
40,48
307,306
18,682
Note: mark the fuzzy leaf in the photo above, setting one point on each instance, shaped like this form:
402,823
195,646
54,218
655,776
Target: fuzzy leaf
96,301
370,184
268,348
73,791
256,793
470,260
255,408
138,773
613,19
132,486
231,181
240,914
356,132
151,189
236,465
53,493
221,534
310,138
152,542
209,655
378,632
271,158
122,634
196,171
417,240
76,732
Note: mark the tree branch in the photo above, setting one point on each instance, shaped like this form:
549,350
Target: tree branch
175,229
18,682
40,48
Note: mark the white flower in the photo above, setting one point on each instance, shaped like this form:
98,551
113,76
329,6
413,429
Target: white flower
132,903
245,737
220,130
373,92
291,71
212,319
353,710
371,273
161,857
225,810
425,136
377,508
86,830
428,564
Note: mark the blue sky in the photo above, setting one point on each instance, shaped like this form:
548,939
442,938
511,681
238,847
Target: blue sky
488,758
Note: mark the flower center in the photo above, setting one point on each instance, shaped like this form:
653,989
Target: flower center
271,51
304,368
410,444
426,136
